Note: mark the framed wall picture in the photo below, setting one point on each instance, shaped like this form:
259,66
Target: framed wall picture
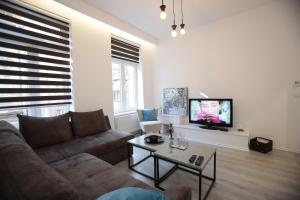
175,101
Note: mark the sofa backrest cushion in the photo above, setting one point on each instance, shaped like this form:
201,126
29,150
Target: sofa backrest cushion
45,131
23,175
88,123
5,126
107,122
8,137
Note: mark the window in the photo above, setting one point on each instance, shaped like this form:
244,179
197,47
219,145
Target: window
35,66
124,85
125,64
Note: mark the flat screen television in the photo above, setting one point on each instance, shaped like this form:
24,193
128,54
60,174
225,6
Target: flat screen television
211,112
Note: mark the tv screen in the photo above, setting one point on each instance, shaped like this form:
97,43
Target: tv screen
211,112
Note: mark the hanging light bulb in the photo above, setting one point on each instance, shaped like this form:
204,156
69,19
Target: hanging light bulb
163,14
174,32
182,30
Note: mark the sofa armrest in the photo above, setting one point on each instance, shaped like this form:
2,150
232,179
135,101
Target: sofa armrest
178,193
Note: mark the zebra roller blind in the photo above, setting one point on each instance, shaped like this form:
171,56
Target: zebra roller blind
34,57
124,50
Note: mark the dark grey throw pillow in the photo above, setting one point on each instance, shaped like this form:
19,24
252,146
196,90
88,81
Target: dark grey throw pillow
88,123
44,131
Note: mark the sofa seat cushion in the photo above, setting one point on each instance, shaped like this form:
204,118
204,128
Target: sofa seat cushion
93,177
98,144
44,131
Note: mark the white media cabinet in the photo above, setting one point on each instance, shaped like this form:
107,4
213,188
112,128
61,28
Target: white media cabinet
232,139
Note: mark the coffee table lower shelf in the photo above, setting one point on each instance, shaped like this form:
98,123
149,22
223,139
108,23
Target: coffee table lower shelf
158,180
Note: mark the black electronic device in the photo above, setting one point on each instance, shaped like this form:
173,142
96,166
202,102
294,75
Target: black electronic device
154,139
223,129
199,160
192,158
212,114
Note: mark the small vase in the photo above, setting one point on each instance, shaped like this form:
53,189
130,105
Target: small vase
171,131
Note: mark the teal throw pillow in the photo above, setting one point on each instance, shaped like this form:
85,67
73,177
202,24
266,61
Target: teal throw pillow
149,115
133,193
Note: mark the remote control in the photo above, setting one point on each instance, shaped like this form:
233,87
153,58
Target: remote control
199,161
192,158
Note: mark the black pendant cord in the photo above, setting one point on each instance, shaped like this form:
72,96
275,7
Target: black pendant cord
163,6
173,14
181,13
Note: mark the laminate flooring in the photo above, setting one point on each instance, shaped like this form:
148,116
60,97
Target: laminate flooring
240,175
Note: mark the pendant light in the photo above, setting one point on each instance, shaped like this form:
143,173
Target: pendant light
163,14
173,32
182,30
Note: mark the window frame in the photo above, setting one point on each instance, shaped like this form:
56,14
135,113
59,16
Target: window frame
123,108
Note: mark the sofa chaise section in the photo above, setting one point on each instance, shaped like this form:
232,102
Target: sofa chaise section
24,176
85,171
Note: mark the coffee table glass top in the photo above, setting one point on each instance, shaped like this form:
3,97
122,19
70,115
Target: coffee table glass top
176,155
139,142
182,156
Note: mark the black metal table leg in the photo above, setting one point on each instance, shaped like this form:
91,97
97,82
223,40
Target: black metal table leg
131,165
155,170
215,158
200,185
212,179
156,166
129,155
158,179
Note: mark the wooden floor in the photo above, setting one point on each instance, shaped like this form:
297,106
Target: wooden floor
240,175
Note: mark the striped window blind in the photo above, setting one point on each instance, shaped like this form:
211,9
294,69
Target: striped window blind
124,50
35,66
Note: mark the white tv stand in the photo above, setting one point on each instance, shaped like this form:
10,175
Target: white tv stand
232,138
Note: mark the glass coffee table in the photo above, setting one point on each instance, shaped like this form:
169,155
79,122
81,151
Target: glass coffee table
180,159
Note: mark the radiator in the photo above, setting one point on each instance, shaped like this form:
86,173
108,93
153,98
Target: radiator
127,122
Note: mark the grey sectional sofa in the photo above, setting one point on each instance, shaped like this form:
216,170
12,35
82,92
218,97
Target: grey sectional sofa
71,170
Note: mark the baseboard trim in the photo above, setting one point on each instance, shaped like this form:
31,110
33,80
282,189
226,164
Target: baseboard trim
226,146
286,149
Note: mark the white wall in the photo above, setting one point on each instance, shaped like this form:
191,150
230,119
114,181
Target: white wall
91,54
253,57
148,60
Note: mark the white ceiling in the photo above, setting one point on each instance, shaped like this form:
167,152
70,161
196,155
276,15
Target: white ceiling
144,14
